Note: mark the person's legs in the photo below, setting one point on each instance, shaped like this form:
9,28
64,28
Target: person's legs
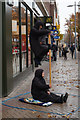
41,55
72,55
59,53
37,61
62,53
54,54
56,98
66,56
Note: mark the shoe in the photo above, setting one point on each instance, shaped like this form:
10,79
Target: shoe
62,98
37,62
65,97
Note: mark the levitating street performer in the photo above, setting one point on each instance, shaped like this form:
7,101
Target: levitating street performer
40,90
37,42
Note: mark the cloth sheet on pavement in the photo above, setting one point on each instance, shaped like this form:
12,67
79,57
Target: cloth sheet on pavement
35,102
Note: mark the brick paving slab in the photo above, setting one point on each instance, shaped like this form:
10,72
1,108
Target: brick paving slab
64,79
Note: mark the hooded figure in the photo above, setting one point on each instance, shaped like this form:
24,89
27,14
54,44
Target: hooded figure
37,35
40,90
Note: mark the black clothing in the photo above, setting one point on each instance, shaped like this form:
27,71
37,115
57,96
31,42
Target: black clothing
55,49
72,50
62,51
54,56
38,24
79,48
37,36
34,40
72,54
65,51
39,89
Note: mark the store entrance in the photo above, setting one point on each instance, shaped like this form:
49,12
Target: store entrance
21,26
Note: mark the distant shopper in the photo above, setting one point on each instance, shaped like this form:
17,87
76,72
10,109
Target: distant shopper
72,50
40,90
37,38
55,49
65,51
79,48
60,49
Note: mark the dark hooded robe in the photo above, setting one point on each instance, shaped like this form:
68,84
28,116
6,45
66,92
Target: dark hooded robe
39,89
37,36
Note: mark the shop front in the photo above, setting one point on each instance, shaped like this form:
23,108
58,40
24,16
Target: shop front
17,56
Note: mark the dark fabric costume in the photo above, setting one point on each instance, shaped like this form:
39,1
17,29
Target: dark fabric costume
39,89
37,38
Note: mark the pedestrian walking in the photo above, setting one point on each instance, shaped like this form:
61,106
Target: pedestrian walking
79,48
72,48
65,51
60,49
40,90
54,49
37,36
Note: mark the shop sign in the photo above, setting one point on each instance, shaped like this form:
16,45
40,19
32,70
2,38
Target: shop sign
54,32
56,37
48,19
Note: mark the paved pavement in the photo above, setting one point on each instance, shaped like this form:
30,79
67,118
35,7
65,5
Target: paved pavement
64,79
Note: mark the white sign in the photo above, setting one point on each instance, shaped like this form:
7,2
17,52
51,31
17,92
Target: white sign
23,29
14,26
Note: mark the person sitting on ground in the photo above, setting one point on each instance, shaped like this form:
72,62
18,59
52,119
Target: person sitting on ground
37,36
40,90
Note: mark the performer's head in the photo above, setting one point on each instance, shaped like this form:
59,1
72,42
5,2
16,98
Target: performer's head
38,25
39,73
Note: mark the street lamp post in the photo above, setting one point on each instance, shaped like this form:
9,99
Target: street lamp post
75,29
70,33
75,25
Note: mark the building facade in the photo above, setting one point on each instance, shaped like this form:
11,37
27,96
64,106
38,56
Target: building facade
16,21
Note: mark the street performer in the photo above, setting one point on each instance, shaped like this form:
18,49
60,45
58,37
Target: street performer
38,42
40,90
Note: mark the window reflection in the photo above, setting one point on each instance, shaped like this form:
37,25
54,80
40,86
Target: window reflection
15,38
23,35
29,49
